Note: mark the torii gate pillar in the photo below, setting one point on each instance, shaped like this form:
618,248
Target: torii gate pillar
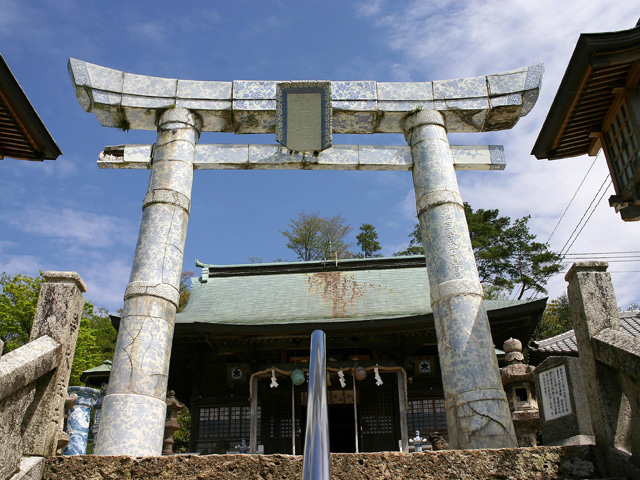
476,406
133,412
134,409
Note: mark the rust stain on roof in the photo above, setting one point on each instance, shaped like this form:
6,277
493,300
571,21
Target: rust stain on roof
340,290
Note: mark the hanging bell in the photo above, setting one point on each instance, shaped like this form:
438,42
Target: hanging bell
360,373
297,377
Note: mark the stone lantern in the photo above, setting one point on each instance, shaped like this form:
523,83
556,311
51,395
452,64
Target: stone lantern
171,423
519,385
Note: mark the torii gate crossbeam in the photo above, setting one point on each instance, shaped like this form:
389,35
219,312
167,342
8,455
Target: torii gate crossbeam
134,409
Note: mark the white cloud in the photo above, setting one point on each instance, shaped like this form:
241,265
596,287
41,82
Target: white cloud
449,39
14,264
154,32
106,282
74,227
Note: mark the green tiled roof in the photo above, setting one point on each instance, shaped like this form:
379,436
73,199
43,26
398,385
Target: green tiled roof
312,292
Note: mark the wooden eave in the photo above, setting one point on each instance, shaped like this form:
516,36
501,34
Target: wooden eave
517,321
23,135
601,63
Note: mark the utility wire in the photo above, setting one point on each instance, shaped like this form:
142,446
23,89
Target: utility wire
562,250
587,213
592,211
574,196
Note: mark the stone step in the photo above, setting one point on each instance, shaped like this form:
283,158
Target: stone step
535,463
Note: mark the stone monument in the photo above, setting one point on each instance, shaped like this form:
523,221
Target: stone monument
134,409
564,410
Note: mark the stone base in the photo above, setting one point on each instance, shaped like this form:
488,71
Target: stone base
540,463
575,440
131,425
31,468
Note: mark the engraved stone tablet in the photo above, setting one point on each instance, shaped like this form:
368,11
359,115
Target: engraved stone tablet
555,393
304,116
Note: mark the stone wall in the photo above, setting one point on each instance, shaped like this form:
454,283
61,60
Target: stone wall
538,463
34,378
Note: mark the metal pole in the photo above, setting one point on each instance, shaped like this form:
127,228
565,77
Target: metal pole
316,464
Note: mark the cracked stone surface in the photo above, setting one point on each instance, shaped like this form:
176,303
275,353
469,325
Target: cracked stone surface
133,411
476,406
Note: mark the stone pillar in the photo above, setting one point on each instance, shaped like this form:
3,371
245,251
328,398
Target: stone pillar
79,419
133,411
58,316
476,406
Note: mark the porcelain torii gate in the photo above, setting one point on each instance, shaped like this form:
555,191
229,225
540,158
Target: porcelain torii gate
134,409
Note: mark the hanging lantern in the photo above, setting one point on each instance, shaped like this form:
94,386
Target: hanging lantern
297,377
360,373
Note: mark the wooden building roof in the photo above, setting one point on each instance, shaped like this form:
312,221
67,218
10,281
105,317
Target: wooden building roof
23,135
565,344
354,295
601,63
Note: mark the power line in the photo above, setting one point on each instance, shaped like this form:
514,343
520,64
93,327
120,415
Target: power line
584,254
592,211
574,196
562,250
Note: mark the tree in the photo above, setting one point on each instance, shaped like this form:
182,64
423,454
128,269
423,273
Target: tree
506,253
313,237
18,302
184,289
367,240
487,230
532,263
182,435
556,319
415,243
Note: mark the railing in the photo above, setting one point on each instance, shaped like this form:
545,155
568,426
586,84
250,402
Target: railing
34,379
316,445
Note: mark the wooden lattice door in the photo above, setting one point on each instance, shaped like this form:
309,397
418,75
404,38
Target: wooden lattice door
379,429
277,421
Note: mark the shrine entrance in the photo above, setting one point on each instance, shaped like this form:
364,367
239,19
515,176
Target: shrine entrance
341,429
304,116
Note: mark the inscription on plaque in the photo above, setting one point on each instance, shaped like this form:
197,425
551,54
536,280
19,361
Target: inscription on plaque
304,121
554,389
304,116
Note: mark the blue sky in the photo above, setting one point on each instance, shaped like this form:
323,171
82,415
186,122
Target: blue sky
69,215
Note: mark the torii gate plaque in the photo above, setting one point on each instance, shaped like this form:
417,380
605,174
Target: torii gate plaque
476,406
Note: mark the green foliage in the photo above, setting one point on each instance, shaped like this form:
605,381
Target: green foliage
184,288
313,237
18,302
367,240
415,243
96,341
87,353
556,319
181,436
531,263
488,233
507,255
